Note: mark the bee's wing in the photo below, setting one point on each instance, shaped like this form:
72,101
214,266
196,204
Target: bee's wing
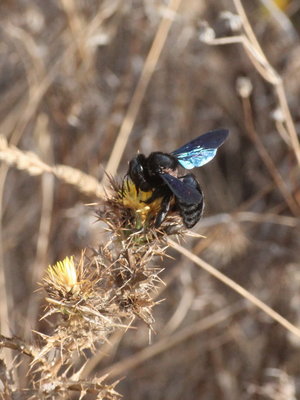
201,150
186,193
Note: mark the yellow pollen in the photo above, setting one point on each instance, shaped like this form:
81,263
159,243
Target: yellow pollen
136,200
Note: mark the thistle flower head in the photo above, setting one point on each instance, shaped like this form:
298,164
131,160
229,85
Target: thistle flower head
127,211
64,280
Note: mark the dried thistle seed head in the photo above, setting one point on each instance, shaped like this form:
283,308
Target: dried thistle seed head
229,242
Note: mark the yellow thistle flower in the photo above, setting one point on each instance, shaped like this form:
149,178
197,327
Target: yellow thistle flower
136,200
63,275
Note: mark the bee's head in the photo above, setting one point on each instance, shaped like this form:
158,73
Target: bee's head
137,171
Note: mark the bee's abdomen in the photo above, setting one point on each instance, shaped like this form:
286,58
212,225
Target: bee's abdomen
190,213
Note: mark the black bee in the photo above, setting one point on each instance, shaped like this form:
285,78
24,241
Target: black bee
159,172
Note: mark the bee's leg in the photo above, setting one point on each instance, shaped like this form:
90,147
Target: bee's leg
164,209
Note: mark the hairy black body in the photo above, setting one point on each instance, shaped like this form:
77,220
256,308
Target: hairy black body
145,171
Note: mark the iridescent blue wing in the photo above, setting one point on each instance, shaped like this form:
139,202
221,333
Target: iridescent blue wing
201,150
185,192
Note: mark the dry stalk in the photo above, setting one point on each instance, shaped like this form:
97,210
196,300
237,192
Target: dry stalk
237,288
267,160
33,165
168,342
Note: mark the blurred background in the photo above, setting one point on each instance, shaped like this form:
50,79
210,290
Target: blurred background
68,71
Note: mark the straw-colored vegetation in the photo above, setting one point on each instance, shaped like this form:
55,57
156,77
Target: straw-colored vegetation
92,305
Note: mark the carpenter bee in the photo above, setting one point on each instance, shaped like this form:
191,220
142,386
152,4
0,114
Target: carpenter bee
159,173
